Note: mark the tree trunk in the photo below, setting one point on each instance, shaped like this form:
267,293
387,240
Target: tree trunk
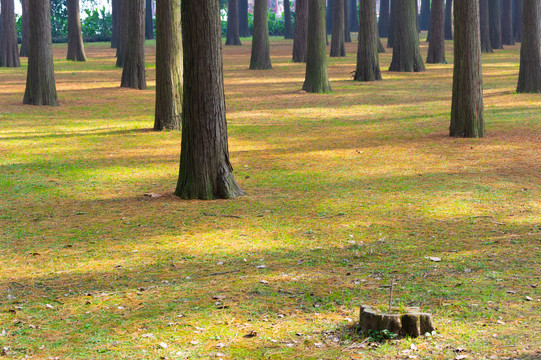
367,52
495,23
24,29
168,66
40,83
448,19
122,32
149,25
486,45
260,59
467,104
301,28
353,16
390,38
9,52
115,10
347,33
133,72
425,17
317,77
406,50
529,79
244,30
507,23
383,23
517,20
76,48
232,37
381,48
205,171
288,24
436,46
329,16
338,48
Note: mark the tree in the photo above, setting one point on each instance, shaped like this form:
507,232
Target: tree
507,23
76,48
467,103
517,20
115,31
149,25
353,16
244,31
383,23
205,171
168,66
288,24
367,52
122,31
133,69
9,52
425,17
347,32
301,28
390,38
486,45
40,82
495,22
232,37
24,29
449,20
260,59
338,48
529,79
406,50
329,16
436,46
317,78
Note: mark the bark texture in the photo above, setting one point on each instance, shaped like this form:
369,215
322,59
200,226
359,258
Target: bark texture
288,24
353,16
347,33
406,50
448,19
529,79
425,17
149,25
76,48
383,23
390,38
517,20
486,45
338,49
317,77
122,31
507,23
329,16
133,70
367,52
168,66
495,22
115,31
9,52
40,82
436,45
260,59
24,29
301,28
232,37
244,30
205,171
467,105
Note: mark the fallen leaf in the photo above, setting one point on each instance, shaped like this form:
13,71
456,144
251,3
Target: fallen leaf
528,298
163,345
153,195
251,334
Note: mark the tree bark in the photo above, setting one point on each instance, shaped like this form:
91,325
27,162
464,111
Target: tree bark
115,10
301,28
133,71
338,48
76,48
40,82
529,79
288,24
486,45
205,171
406,50
353,16
149,25
122,31
383,23
436,46
24,29
232,37
347,33
329,16
494,13
449,20
425,17
9,52
517,20
367,51
507,23
244,30
168,66
260,59
467,105
390,38
317,77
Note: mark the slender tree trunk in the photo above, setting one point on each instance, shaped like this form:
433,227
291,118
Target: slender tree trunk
390,38
76,48
367,52
301,28
338,48
133,71
436,46
24,30
40,82
383,23
168,66
122,31
406,50
495,23
9,52
507,23
288,24
329,16
448,19
260,59
424,18
353,16
205,171
149,24
232,37
517,20
244,30
347,33
115,10
381,48
467,106
486,45
529,79
317,77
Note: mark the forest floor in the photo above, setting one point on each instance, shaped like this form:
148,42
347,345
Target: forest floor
343,192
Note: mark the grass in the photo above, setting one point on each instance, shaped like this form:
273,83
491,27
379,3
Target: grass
344,191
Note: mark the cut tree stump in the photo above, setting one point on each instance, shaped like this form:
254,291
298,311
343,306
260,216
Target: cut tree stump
412,323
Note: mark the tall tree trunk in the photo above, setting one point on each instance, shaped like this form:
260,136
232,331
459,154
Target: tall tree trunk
486,45
381,48
205,171
367,52
507,23
390,38
40,82
168,66
149,24
244,30
529,79
260,59
425,17
495,22
317,76
338,48
467,106
517,20
133,70
288,24
436,46
406,50
122,31
448,19
353,16
232,37
347,33
115,31
24,29
329,16
9,52
301,28
383,23
76,48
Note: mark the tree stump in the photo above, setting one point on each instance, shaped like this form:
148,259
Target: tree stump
411,323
